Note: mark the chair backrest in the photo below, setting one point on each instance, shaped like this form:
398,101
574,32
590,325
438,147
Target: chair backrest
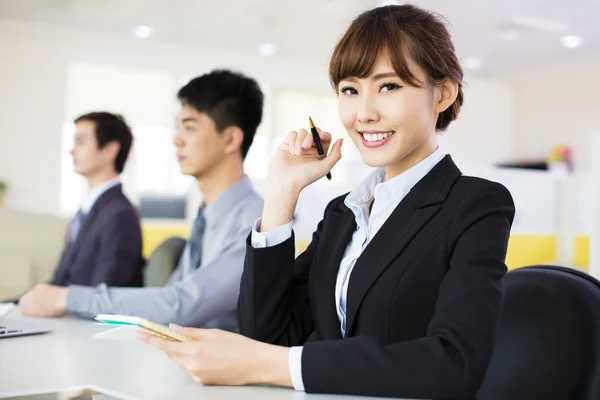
163,261
548,343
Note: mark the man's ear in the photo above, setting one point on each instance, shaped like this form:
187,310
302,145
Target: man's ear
235,138
111,149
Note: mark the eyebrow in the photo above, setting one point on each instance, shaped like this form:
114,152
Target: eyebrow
385,75
374,77
188,119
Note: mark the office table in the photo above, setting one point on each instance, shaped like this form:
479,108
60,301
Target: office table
70,357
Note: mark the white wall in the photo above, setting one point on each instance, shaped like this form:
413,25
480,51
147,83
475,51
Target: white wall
483,133
34,93
558,105
32,108
34,101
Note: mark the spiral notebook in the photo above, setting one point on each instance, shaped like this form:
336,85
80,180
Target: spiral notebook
125,327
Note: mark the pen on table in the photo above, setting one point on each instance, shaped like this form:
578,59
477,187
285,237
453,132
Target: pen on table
317,141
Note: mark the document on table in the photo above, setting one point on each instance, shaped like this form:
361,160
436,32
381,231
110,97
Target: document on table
5,308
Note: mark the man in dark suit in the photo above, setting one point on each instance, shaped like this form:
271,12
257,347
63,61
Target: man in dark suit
103,242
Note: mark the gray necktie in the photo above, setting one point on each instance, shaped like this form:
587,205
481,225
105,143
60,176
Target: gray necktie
196,240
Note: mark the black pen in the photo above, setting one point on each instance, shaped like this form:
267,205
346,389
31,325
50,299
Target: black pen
317,141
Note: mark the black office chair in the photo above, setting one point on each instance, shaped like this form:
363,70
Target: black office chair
548,343
163,261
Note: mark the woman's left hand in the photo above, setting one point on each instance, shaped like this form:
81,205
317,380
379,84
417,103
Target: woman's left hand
217,357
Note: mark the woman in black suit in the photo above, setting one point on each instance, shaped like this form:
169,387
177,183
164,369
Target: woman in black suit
400,291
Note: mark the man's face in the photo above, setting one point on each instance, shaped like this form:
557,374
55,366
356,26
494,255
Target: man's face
200,146
88,159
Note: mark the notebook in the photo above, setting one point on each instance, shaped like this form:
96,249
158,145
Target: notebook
125,327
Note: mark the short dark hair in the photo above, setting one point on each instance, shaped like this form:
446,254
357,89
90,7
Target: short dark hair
400,31
111,128
229,98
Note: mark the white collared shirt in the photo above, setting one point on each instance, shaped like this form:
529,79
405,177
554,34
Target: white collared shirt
94,194
385,197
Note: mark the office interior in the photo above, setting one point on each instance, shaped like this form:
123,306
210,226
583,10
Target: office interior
530,120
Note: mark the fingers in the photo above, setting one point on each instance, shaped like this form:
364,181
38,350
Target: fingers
194,333
334,156
290,141
298,142
27,305
24,309
166,346
326,139
303,140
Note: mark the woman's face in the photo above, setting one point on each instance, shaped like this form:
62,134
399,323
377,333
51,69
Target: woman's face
391,122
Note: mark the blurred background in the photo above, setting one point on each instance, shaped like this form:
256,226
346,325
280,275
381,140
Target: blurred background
530,120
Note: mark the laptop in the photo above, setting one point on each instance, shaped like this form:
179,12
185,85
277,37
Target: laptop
76,393
10,330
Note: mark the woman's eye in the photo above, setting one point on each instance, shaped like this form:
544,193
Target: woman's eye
348,90
388,87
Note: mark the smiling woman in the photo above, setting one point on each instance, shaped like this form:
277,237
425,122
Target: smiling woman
400,291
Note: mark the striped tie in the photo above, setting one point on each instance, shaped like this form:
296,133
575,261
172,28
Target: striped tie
196,240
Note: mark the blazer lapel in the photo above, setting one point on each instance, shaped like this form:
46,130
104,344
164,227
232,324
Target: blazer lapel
410,216
102,201
340,227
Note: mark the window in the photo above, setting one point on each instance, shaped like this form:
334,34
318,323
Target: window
146,98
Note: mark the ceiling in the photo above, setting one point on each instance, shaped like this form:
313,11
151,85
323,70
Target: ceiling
508,36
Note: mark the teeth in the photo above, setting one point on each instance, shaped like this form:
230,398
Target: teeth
375,137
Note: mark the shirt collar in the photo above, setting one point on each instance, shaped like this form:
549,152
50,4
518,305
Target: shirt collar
375,184
227,200
94,194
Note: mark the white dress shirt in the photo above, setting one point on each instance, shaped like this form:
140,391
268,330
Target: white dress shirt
385,197
95,193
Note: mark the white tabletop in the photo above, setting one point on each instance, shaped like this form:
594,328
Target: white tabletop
70,357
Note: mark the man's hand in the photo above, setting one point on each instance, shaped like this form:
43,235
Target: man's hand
44,300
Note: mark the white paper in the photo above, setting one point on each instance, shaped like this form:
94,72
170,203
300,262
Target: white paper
128,333
5,308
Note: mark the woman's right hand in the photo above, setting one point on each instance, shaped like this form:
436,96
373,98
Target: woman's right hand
296,165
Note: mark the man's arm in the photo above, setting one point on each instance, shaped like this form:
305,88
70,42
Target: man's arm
206,293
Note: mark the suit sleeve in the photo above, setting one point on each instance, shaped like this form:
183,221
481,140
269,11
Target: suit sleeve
205,294
451,360
274,306
120,255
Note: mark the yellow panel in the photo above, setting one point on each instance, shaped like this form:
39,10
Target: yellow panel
523,250
526,250
582,252
155,233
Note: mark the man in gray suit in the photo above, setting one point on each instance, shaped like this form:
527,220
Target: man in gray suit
218,118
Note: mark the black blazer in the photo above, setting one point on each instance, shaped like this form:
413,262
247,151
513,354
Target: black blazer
108,248
424,298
